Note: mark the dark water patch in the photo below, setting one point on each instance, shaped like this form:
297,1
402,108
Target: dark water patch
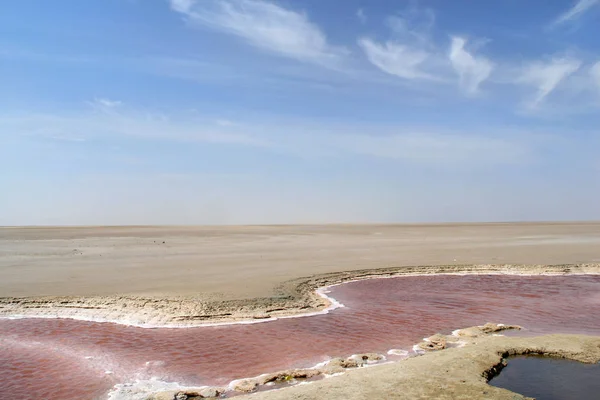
546,378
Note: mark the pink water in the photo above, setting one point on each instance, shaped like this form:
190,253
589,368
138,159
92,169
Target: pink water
65,359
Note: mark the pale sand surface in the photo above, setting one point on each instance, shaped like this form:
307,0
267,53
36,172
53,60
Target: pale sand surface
250,261
188,276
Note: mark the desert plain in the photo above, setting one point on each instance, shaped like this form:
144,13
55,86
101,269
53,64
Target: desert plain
244,262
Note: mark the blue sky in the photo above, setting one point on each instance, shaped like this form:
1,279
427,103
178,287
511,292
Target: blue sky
281,111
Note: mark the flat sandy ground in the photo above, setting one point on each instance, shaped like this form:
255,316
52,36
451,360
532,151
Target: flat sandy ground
249,261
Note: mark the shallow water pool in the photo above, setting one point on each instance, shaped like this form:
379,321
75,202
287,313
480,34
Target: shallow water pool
546,378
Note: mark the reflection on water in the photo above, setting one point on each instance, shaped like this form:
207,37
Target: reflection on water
65,359
550,379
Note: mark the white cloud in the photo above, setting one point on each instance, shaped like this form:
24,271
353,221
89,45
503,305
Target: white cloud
409,53
577,10
471,70
362,17
412,54
265,25
397,59
545,77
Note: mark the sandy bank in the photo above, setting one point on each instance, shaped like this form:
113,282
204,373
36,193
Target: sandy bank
456,373
292,298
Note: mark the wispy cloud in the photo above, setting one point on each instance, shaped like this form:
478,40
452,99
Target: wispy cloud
412,53
578,9
182,6
362,17
472,70
409,53
413,24
397,59
545,77
102,102
136,124
267,26
317,139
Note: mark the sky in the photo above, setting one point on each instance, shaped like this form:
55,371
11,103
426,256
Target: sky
288,111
